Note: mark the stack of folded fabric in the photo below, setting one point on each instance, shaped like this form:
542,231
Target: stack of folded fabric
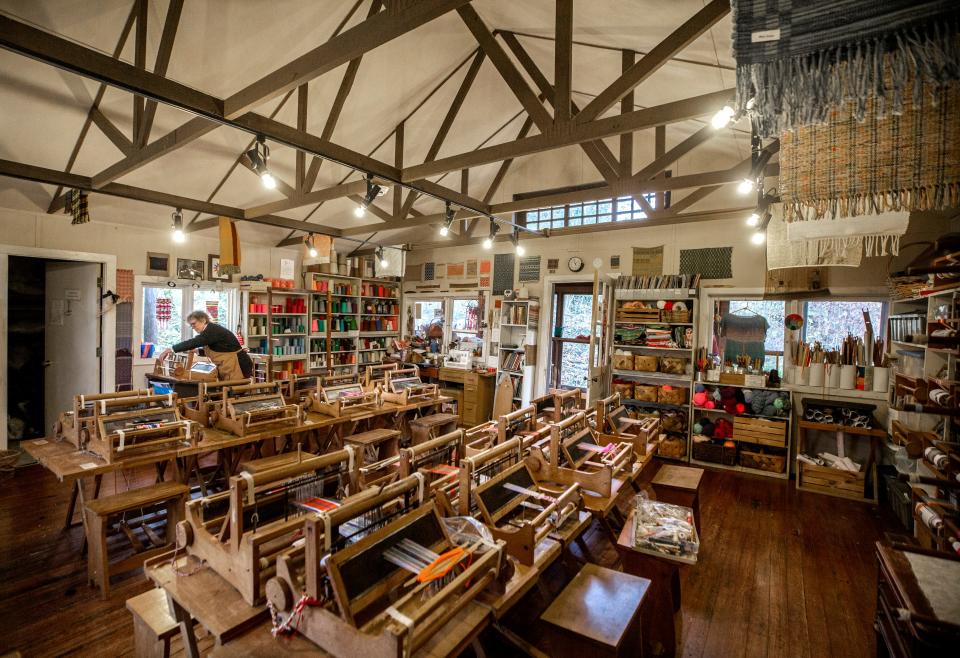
659,337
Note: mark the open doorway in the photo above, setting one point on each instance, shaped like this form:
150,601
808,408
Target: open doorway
570,336
53,340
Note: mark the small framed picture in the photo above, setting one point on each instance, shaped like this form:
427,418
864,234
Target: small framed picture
158,264
213,268
189,268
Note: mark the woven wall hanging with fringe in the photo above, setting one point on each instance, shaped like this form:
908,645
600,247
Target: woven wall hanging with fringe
229,247
889,162
798,60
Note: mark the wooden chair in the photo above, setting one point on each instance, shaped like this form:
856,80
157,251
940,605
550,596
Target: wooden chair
430,427
153,625
97,514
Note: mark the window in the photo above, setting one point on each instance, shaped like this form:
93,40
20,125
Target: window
829,322
570,336
625,209
465,319
164,311
426,313
741,324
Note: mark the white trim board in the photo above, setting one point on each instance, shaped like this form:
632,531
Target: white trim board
108,320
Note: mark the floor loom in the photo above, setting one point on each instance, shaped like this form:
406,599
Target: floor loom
250,408
614,424
209,395
358,601
240,532
497,487
403,386
343,399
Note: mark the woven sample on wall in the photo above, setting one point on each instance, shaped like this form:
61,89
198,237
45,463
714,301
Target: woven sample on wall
428,271
647,261
709,263
413,272
846,168
503,265
529,269
799,59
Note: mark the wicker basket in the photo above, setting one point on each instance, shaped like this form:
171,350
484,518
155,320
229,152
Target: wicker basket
645,363
672,395
625,389
675,316
673,446
673,421
8,458
645,393
673,365
623,361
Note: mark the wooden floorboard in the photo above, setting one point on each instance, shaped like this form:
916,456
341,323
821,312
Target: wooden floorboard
781,573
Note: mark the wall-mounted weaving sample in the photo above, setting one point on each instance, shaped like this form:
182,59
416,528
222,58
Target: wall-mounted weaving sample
709,263
455,270
472,268
503,265
428,271
529,269
413,272
647,261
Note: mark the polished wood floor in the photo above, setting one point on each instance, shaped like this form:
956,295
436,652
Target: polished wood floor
781,574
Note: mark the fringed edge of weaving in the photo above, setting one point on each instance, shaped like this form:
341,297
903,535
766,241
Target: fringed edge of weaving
877,244
931,197
802,90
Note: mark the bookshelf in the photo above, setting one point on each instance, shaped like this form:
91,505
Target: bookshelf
654,337
275,324
516,347
379,318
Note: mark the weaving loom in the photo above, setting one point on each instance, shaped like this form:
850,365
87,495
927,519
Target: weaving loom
614,424
300,389
209,394
239,532
375,376
403,386
80,423
343,399
436,460
255,408
480,437
521,422
359,602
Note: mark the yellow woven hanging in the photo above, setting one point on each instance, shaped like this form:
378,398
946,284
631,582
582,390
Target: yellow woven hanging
229,247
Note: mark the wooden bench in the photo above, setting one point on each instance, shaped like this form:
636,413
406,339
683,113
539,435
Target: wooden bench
430,427
679,485
597,614
97,513
153,625
254,466
375,446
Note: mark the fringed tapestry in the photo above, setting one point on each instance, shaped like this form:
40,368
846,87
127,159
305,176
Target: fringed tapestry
799,60
76,207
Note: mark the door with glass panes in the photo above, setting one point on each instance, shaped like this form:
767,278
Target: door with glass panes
570,336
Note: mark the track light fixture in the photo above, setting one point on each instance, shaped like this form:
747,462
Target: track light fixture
259,155
445,229
373,191
494,228
515,239
311,248
178,234
753,219
381,258
758,237
723,116
745,187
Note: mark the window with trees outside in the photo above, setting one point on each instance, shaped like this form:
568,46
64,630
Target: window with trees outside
623,209
738,320
465,319
828,322
425,313
164,311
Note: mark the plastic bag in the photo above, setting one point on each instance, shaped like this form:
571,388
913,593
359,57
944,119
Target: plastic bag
467,531
664,528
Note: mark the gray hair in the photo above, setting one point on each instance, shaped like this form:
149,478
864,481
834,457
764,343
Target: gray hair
199,315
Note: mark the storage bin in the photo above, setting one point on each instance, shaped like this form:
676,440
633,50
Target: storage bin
673,421
760,430
672,394
675,316
645,363
674,447
715,453
623,361
673,365
645,393
625,389
763,460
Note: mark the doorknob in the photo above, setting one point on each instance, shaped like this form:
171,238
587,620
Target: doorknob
47,364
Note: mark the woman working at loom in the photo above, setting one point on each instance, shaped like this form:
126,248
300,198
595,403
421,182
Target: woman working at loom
219,345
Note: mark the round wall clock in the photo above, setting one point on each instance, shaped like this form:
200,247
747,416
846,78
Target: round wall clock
575,264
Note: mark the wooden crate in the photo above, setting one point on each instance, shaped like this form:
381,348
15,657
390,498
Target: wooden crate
831,481
623,361
737,379
763,461
715,453
760,430
674,316
638,314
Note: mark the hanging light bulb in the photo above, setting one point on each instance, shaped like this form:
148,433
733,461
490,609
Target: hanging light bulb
381,257
494,228
515,239
445,229
311,248
258,156
722,117
268,180
758,237
373,191
753,219
178,234
359,211
745,186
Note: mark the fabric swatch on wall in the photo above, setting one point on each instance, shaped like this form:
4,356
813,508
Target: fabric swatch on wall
472,268
428,271
455,270
440,271
709,263
647,261
529,269
413,272
503,265
484,267
485,282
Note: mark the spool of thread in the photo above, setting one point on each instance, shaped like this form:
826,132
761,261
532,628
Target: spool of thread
848,377
929,517
940,396
936,457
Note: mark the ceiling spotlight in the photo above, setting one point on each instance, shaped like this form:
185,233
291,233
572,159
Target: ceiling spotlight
259,155
445,229
758,237
753,219
178,234
722,117
745,186
373,191
515,239
381,258
494,227
311,248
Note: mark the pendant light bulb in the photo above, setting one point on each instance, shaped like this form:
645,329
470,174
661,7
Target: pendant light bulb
311,248
381,257
722,117
268,180
745,186
521,250
487,243
178,235
753,219
758,237
444,231
359,211
448,222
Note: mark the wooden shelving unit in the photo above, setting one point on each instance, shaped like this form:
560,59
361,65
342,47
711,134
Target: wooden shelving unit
275,322
379,318
518,334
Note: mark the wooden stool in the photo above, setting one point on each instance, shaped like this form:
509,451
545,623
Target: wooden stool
153,625
372,447
254,466
597,614
679,485
96,521
430,427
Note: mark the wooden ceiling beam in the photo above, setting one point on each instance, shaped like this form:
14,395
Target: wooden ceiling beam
317,196
303,98
109,128
140,61
170,25
384,26
662,162
563,61
682,37
627,59
681,110
398,163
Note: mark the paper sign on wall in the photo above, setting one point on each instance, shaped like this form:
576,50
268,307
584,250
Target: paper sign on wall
286,268
73,294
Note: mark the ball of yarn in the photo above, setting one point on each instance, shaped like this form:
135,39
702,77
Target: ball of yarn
706,428
697,428
710,404
661,304
668,306
729,444
700,398
747,395
778,403
740,408
679,306
716,395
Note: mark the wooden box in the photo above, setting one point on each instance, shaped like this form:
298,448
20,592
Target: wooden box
672,395
650,314
675,316
623,361
737,379
645,393
760,430
832,481
763,461
645,363
716,453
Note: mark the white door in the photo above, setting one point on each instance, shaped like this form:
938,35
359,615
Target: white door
72,335
599,340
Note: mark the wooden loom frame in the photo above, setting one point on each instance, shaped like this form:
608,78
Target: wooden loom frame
228,417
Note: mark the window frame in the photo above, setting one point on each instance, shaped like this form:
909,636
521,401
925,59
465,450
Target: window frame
561,216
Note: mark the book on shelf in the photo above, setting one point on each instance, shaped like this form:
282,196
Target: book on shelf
659,282
512,361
